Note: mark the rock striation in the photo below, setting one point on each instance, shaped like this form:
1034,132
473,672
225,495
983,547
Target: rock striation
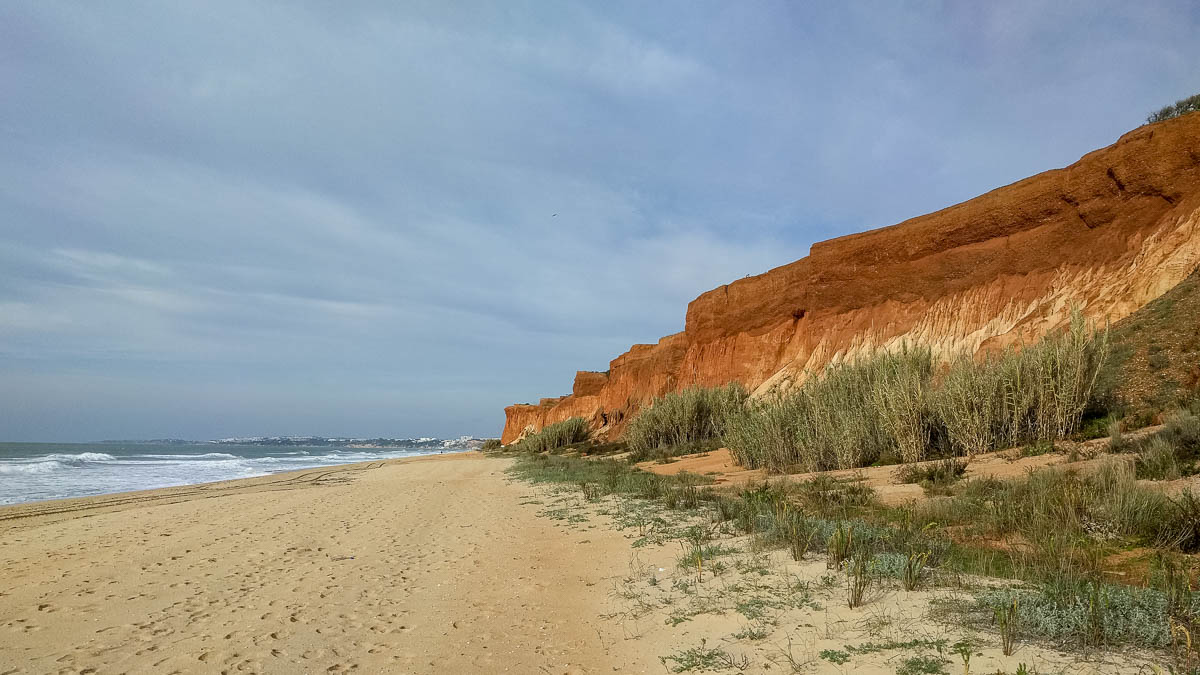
1110,233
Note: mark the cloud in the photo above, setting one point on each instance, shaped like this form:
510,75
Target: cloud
387,220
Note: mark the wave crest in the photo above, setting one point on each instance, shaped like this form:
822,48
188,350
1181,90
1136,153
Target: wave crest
81,457
33,468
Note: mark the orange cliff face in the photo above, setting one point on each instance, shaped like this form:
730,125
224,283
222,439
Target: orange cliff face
1110,233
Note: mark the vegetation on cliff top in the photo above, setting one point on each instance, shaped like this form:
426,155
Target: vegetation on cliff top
1180,107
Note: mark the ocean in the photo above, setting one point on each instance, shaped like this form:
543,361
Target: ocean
37,471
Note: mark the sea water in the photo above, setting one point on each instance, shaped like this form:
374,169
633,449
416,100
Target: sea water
36,471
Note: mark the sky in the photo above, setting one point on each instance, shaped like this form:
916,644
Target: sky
222,218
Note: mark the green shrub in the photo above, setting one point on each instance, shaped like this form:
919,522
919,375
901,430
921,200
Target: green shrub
829,496
1117,441
684,418
1182,528
933,476
923,664
910,569
1097,427
1061,513
1158,361
1086,613
1182,431
1038,449
1157,460
490,445
1180,107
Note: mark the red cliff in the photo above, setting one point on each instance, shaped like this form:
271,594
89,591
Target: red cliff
1109,233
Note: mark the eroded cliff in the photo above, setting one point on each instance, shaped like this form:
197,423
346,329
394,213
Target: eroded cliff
1110,233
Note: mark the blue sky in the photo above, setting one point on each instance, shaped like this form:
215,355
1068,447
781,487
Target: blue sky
225,218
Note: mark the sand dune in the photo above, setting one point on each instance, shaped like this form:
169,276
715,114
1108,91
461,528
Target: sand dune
420,565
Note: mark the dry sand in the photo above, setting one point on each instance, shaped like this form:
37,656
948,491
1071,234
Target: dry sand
434,564
422,565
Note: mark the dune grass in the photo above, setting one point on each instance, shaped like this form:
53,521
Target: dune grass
1050,529
555,436
683,420
852,415
1170,454
890,406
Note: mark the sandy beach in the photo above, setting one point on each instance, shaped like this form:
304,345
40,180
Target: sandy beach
421,565
440,564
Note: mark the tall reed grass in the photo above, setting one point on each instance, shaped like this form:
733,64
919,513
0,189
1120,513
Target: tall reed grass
1038,393
852,415
890,406
684,418
555,436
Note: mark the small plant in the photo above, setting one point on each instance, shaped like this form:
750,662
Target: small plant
671,498
922,665
965,650
797,531
752,632
1007,619
840,545
1182,646
702,658
491,445
835,656
591,491
829,496
1158,360
1038,449
914,570
1098,603
1183,528
1117,442
933,476
859,576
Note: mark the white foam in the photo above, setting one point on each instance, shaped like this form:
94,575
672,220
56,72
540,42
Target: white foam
30,469
58,475
185,458
82,457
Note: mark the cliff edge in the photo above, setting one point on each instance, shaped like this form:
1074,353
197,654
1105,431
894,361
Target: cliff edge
1110,233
